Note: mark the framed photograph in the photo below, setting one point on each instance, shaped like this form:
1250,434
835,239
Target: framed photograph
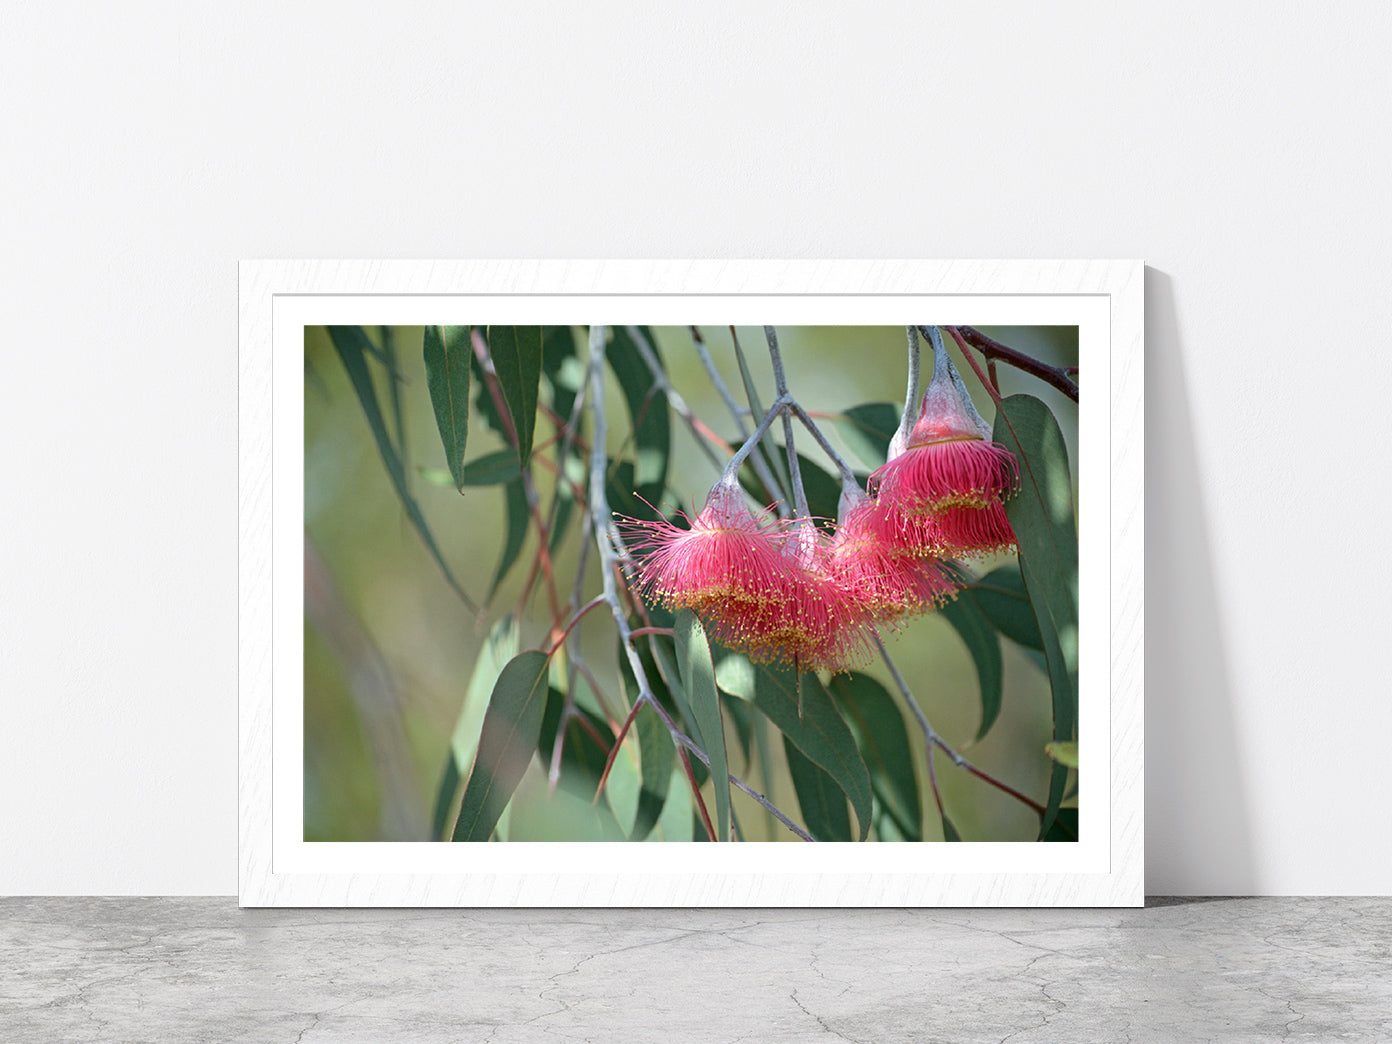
706,583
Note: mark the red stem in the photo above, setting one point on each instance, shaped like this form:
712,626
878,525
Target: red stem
696,793
1056,376
592,604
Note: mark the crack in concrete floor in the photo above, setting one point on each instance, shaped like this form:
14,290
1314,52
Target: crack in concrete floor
124,969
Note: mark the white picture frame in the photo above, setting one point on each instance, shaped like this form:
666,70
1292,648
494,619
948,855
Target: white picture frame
277,299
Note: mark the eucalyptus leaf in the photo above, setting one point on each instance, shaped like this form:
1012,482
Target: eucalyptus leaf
984,645
883,740
819,732
506,744
1002,599
353,346
867,430
822,802
657,756
702,704
516,352
1042,517
515,521
447,353
647,409
949,831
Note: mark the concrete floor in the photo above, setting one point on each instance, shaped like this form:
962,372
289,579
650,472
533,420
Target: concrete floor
172,970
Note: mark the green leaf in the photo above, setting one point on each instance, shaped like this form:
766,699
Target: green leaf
394,384
1064,752
1064,828
1001,597
702,707
492,469
742,718
820,732
582,756
656,751
500,647
657,756
984,645
823,803
949,831
867,430
516,352
506,744
647,408
515,523
1047,535
447,353
883,739
444,797
352,346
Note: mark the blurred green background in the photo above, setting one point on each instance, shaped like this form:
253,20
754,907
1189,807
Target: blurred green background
390,648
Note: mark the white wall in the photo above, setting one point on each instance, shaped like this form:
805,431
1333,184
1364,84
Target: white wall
1242,151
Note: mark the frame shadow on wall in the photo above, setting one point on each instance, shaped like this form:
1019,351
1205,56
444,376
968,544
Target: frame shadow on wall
1198,823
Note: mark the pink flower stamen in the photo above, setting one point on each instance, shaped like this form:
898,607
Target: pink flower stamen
892,578
729,559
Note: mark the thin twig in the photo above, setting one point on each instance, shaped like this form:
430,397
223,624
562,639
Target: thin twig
674,398
1056,376
771,487
769,450
911,394
781,383
807,422
933,739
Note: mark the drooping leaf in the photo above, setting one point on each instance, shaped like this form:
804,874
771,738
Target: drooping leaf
444,797
883,739
560,517
820,732
395,381
516,352
352,346
823,803
583,757
447,353
1064,752
740,716
492,469
949,831
1042,517
498,648
984,645
647,408
506,744
657,757
656,750
1001,597
867,429
515,523
1064,827
702,705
